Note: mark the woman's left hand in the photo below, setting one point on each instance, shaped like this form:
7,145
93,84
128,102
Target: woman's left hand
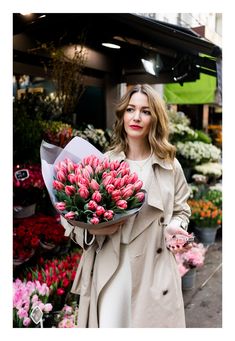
177,239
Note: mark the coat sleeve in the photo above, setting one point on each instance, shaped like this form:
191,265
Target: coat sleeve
181,209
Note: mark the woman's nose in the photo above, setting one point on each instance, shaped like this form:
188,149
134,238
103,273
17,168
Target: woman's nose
136,116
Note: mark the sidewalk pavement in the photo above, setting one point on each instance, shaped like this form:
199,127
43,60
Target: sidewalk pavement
203,303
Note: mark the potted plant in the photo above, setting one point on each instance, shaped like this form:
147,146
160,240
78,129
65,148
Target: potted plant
207,218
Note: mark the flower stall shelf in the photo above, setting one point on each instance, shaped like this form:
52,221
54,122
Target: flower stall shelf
27,189
207,218
189,262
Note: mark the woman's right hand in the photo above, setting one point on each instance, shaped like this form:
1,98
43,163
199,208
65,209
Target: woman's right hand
105,231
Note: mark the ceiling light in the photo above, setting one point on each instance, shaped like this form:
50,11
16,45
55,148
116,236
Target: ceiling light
148,66
111,46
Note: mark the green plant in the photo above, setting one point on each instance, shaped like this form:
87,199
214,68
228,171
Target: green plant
27,131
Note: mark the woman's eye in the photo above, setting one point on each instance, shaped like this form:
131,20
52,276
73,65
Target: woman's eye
146,112
129,109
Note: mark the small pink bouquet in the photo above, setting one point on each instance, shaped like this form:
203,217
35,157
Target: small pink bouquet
87,188
192,258
94,191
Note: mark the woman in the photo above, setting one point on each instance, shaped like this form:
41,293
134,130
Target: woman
127,276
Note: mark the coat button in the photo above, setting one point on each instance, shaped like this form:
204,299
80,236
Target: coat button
161,219
165,292
159,250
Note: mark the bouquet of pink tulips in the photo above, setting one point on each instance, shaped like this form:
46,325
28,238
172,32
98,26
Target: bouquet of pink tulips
96,191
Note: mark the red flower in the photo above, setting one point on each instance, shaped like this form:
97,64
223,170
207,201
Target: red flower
60,291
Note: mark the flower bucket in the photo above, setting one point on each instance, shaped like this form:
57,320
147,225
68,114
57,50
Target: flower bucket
24,211
47,246
189,279
20,261
206,235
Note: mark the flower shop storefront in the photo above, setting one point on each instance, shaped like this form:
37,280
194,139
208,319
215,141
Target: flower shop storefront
45,260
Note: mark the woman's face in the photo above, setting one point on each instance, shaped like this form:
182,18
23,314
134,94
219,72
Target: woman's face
137,117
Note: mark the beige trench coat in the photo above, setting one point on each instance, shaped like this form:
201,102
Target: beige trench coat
156,284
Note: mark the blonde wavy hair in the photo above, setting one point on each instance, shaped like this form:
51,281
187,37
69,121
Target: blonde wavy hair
159,131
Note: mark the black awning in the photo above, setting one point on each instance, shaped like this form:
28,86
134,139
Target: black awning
181,52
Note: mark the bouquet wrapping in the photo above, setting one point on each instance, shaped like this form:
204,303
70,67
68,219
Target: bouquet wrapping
87,188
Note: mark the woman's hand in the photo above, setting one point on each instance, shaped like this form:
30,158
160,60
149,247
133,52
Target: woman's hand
177,239
105,231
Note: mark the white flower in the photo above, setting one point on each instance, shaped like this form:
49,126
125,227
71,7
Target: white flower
210,168
181,129
198,151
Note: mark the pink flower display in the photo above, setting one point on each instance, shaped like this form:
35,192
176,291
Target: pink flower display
192,258
94,191
26,296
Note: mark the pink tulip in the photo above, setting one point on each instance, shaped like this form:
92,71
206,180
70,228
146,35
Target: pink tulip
110,188
61,176
114,165
109,215
105,174
83,192
124,164
58,185
122,204
89,169
61,166
95,162
108,180
69,215
100,210
94,220
116,195
132,178
83,181
92,205
70,190
127,192
61,206
70,165
138,185
106,163
98,169
94,185
117,183
26,321
22,313
140,196
48,307
72,178
97,196
113,173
